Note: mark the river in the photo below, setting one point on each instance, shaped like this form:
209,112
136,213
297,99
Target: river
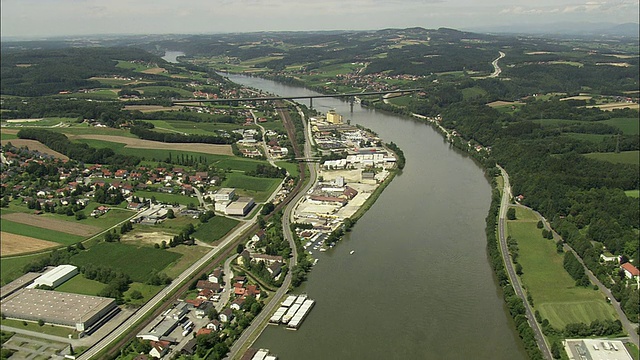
172,56
419,285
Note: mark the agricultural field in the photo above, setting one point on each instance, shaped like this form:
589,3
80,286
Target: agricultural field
553,290
158,90
38,232
147,144
629,126
99,94
139,262
215,229
6,136
188,256
292,168
12,244
473,92
238,163
258,188
32,145
624,157
402,101
147,291
47,221
81,285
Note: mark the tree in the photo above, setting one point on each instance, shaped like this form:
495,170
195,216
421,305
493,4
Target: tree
518,269
79,246
170,214
511,214
539,225
135,295
40,322
240,248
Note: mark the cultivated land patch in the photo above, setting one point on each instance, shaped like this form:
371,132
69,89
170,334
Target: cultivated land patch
11,267
624,157
13,244
147,144
613,106
68,227
500,103
149,108
215,229
81,285
38,232
33,145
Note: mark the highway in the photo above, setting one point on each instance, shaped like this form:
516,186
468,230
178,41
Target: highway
513,277
250,334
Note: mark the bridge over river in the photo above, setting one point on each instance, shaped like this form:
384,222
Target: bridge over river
310,97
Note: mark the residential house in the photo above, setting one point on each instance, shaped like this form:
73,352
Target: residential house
631,272
226,315
208,285
203,309
237,304
216,276
158,348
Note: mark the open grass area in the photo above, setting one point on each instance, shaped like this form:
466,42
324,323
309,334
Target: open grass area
45,329
139,262
81,285
215,229
633,193
629,126
39,233
167,198
189,255
552,288
98,94
159,90
594,138
258,188
240,164
624,157
473,92
400,100
292,168
11,268
147,291
5,136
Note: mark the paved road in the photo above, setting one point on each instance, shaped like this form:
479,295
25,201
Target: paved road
258,324
496,68
513,277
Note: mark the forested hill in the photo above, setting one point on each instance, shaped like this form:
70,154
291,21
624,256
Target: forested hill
49,71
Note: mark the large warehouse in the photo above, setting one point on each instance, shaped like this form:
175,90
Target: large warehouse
53,307
56,276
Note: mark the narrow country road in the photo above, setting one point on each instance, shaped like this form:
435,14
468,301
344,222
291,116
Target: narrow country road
496,68
513,277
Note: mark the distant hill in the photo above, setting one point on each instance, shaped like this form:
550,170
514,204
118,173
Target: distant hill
588,29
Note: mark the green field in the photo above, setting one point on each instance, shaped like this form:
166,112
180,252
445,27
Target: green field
45,329
473,92
594,138
11,268
215,229
624,157
258,188
39,233
240,164
158,90
292,168
553,290
556,122
139,262
629,126
100,94
81,285
147,291
167,198
633,193
5,136
400,100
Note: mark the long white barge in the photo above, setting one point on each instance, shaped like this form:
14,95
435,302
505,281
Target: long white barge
277,316
289,300
290,312
300,315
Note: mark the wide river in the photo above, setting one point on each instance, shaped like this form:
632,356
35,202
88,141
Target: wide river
419,285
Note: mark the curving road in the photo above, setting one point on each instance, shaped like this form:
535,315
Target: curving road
496,68
513,277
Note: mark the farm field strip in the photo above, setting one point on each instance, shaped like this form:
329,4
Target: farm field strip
147,144
39,233
42,221
33,145
13,244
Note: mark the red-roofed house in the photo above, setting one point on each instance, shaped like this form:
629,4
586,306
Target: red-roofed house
631,272
204,331
158,348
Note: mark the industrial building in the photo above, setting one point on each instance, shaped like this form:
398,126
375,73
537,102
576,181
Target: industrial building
596,349
58,308
56,276
224,194
240,207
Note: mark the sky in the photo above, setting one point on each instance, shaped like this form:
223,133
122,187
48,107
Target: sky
50,18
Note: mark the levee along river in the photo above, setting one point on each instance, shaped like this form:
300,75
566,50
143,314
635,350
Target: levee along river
418,285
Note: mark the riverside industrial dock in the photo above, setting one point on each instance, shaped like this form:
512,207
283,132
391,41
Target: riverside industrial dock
292,312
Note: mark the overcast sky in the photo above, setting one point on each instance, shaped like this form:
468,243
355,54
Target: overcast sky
46,18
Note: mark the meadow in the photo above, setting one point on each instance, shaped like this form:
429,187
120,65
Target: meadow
167,198
215,229
258,188
553,290
11,268
139,262
81,285
624,157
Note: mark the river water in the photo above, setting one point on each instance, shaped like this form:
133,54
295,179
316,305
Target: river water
419,285
172,56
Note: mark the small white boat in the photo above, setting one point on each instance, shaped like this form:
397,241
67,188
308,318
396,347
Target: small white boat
351,252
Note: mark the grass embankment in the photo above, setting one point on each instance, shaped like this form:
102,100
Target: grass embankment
553,290
45,329
81,285
11,268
